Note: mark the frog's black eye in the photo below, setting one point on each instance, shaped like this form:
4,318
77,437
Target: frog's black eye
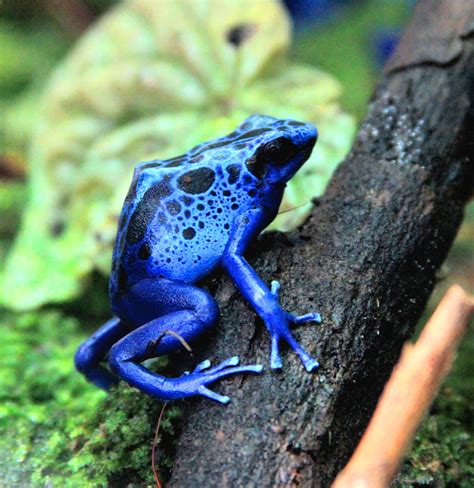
257,165
278,151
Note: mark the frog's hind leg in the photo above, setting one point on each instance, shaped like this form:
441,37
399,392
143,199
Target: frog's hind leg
190,311
94,350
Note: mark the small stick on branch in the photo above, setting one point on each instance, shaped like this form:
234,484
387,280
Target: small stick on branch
408,394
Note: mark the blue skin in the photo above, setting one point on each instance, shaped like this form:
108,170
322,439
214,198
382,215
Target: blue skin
183,218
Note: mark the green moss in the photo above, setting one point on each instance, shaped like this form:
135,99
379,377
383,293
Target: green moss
56,428
443,450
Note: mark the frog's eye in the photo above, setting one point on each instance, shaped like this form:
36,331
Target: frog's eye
278,151
257,165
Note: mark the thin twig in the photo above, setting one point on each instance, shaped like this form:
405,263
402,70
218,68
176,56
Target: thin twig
292,208
153,448
408,394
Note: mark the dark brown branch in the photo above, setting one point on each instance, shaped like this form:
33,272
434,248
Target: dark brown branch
367,260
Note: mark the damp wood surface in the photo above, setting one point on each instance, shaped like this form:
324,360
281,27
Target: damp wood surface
367,259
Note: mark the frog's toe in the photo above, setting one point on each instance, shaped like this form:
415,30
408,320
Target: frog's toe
275,288
226,368
310,364
276,362
231,366
212,395
233,361
202,366
307,317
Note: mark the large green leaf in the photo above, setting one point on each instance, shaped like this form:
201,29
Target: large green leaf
150,80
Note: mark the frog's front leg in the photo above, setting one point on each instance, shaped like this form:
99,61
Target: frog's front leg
264,301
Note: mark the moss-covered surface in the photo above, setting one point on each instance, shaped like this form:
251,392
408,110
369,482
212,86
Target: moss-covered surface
56,428
443,451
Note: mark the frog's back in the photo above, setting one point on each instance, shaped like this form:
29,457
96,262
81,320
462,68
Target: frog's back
177,216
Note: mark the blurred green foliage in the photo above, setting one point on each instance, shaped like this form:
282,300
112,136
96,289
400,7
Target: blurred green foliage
26,57
54,428
147,83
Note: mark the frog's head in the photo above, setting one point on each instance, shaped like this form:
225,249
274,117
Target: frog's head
281,148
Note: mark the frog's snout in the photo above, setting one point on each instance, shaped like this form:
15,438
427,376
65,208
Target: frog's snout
309,137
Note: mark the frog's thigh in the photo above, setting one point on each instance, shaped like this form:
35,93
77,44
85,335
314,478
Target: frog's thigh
154,302
190,311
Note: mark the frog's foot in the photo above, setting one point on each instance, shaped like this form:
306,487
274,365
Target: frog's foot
196,382
187,385
202,366
281,331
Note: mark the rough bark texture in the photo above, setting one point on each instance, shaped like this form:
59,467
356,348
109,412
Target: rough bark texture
366,259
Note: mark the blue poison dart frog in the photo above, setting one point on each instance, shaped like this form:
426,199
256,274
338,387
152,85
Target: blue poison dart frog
183,218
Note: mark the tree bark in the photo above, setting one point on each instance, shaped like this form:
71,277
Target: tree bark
366,260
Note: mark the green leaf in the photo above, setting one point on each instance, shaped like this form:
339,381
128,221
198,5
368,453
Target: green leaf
146,83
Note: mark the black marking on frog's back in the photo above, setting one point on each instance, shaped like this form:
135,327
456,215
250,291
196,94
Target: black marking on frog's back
234,172
144,251
155,163
251,134
173,207
197,181
189,233
226,141
293,123
145,211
